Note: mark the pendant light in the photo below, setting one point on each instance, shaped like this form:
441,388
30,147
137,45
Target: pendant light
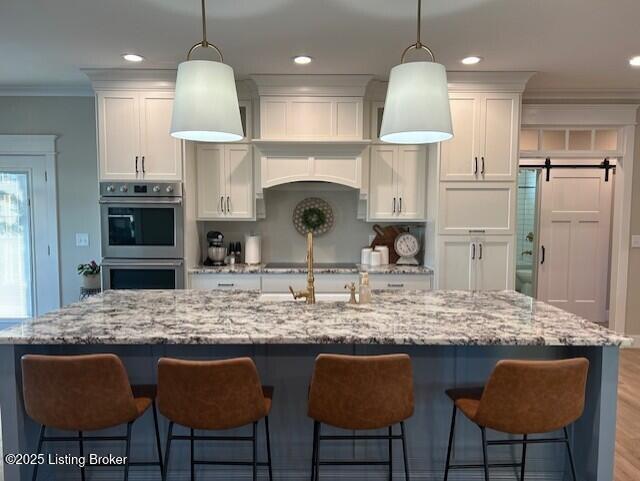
416,110
206,106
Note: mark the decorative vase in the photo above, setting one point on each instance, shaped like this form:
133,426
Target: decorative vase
91,281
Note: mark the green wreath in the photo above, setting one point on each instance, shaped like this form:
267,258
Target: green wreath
313,218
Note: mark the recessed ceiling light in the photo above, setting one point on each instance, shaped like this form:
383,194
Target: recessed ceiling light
471,60
302,59
132,57
635,61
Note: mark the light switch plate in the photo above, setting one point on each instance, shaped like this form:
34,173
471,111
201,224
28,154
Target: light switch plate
82,239
635,241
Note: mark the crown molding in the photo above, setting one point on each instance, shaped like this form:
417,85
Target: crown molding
592,95
28,144
498,81
309,84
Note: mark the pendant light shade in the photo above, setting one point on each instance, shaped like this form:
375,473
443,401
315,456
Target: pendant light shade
206,107
416,110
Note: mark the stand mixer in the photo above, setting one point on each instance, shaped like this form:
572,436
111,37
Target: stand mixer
216,251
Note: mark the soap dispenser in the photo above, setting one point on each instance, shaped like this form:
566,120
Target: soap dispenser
365,289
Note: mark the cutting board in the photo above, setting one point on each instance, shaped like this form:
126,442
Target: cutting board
386,236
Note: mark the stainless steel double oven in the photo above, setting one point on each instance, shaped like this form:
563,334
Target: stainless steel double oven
142,235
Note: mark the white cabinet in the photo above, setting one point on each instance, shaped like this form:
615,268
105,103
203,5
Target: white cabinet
225,282
276,169
397,182
133,136
324,283
419,282
310,118
485,143
476,263
224,181
487,207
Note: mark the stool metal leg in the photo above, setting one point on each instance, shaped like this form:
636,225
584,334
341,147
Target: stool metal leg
127,452
81,446
38,450
255,453
390,454
167,452
484,453
192,449
571,462
524,456
404,452
314,451
450,447
158,443
317,460
266,429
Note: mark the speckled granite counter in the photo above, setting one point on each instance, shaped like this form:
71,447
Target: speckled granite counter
264,269
233,317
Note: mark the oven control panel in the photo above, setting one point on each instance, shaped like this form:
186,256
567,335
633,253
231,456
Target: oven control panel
141,189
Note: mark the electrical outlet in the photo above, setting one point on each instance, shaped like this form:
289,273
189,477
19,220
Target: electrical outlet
82,239
635,241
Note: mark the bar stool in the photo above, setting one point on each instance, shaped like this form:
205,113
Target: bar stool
212,396
523,398
84,393
360,393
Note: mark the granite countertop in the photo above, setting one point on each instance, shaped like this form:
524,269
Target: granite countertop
320,269
458,318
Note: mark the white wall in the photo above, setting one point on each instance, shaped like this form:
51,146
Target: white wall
633,282
72,119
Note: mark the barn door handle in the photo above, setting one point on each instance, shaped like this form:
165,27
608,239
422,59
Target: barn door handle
544,251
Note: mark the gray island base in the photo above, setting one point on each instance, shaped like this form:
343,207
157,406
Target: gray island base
453,337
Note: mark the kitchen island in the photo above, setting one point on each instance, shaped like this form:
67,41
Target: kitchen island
453,337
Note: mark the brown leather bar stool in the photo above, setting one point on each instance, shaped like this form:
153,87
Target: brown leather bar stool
360,393
83,393
523,398
212,396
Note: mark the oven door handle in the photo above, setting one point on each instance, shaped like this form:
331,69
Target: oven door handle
115,200
142,262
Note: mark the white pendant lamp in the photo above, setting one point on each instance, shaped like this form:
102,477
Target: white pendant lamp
205,107
416,110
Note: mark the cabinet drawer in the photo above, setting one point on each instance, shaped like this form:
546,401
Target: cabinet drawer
481,207
225,281
332,283
397,282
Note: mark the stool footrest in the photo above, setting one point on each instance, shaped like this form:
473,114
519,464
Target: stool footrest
481,466
528,441
229,463
353,463
212,438
357,437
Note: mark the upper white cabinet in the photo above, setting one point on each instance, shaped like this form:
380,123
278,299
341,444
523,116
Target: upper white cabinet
310,118
397,183
133,136
224,182
485,143
487,207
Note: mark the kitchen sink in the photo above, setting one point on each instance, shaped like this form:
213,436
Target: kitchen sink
321,297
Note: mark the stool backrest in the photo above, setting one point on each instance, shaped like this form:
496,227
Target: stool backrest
361,392
524,397
210,394
77,393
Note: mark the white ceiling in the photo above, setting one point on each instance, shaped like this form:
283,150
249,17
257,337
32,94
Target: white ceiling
572,44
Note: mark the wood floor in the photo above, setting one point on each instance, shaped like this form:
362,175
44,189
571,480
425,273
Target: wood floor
627,467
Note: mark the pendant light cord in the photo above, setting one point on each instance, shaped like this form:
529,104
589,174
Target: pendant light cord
418,45
204,43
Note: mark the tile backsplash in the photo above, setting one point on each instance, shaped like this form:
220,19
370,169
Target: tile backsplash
526,225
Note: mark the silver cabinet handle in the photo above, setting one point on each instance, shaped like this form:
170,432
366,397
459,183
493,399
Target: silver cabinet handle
143,171
475,168
394,205
473,251
480,255
228,204
136,164
395,285
481,170
222,203
226,284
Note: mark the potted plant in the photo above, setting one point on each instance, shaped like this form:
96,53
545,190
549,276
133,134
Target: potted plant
90,275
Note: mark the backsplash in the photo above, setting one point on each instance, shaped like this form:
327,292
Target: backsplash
280,240
527,186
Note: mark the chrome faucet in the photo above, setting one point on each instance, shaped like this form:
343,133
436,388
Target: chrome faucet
310,292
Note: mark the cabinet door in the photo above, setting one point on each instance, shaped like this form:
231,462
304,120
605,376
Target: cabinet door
455,265
162,153
486,207
499,130
494,263
458,155
210,181
382,186
411,179
118,134
239,200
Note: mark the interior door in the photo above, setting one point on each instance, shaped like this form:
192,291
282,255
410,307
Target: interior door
499,126
210,181
457,256
239,181
162,153
411,181
119,135
573,262
458,155
382,187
